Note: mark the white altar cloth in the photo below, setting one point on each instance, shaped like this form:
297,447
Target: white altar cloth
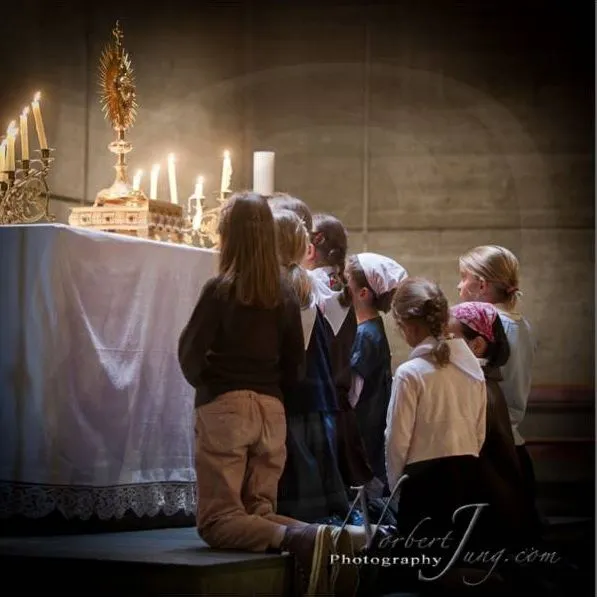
95,415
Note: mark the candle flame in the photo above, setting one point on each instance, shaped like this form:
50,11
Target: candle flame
200,179
25,111
155,168
12,129
37,96
226,154
171,157
139,172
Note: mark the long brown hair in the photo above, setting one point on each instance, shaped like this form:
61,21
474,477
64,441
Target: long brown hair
330,240
249,268
292,238
418,299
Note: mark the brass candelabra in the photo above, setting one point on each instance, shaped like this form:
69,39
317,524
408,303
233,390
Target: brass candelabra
25,196
201,229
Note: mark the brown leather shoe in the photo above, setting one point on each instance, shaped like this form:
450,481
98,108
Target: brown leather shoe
311,547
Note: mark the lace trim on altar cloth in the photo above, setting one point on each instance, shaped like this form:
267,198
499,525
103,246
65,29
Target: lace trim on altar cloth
82,502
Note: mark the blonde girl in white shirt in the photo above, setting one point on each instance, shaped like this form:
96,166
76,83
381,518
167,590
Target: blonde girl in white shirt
436,418
490,274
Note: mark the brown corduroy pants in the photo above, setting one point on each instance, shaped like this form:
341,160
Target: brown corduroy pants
240,455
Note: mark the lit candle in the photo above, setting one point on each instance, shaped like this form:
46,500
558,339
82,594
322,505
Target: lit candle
2,160
199,187
226,173
137,180
198,194
172,179
24,134
11,134
198,213
39,123
155,172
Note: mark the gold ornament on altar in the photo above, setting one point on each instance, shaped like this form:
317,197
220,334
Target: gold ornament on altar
124,208
117,82
119,105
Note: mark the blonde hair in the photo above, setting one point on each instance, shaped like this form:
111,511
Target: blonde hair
497,266
292,239
298,206
418,299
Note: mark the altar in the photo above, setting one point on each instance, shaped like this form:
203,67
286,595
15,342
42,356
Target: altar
96,419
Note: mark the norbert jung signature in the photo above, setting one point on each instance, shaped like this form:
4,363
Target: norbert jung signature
448,542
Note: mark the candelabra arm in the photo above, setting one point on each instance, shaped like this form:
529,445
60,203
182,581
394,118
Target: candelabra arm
25,195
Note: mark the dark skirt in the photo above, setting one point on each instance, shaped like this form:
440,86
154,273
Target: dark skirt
426,525
352,454
529,488
371,418
434,493
311,487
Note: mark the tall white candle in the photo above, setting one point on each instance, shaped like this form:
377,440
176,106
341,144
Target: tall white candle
2,160
11,134
198,213
263,172
199,187
137,180
25,134
153,190
226,173
39,123
172,178
198,194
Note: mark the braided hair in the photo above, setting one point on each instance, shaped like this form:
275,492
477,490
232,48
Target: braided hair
418,299
330,239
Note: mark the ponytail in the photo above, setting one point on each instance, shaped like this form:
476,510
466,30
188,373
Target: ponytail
330,239
300,282
383,302
436,316
345,299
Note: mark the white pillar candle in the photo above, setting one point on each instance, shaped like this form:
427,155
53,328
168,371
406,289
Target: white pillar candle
263,172
199,187
137,180
153,190
39,123
198,213
172,179
2,160
226,173
25,134
11,135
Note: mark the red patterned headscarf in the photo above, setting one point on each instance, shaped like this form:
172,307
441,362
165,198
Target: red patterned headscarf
477,316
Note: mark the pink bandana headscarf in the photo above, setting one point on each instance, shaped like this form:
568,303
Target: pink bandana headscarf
477,316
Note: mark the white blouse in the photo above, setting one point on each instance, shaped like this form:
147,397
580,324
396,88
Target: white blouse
434,411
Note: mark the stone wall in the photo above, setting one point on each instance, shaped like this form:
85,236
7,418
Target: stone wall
427,127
